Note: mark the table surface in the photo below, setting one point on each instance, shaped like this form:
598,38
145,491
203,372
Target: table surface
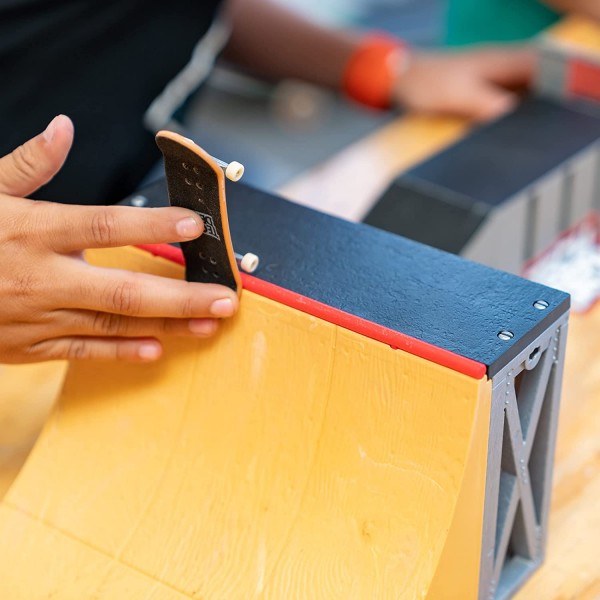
572,566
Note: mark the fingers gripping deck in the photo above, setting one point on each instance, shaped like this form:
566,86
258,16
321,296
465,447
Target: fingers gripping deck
195,181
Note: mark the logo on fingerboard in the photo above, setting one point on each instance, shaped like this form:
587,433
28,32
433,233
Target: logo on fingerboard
209,226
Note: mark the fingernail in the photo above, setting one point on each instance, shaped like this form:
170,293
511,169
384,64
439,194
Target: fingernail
149,352
222,308
188,228
202,326
50,130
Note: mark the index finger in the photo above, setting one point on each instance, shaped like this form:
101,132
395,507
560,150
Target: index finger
70,228
143,295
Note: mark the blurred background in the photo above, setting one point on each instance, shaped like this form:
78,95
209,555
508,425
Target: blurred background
279,131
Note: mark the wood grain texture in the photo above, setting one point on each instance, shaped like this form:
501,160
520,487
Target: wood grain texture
71,570
286,458
571,569
27,394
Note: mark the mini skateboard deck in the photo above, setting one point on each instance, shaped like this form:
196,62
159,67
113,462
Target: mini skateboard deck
197,182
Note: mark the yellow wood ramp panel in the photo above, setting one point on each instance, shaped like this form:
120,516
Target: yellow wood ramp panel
286,458
27,394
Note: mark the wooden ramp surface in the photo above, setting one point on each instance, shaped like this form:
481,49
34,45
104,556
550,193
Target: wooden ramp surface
286,458
571,570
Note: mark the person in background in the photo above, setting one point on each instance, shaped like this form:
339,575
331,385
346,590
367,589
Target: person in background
477,21
102,64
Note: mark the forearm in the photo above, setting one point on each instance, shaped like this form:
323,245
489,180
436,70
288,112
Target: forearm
374,70
274,42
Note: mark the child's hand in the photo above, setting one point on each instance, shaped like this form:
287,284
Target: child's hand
55,306
478,84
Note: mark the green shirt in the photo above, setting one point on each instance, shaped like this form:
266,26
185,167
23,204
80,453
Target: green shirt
473,21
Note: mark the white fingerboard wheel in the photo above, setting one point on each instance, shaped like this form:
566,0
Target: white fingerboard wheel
234,171
249,262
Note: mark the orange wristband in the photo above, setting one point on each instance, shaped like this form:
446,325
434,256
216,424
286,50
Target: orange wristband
373,69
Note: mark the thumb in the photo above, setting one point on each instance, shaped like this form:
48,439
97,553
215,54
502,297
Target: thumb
37,161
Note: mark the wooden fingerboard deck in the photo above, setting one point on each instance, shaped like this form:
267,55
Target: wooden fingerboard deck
195,181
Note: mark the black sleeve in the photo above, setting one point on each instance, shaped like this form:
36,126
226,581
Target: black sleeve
101,62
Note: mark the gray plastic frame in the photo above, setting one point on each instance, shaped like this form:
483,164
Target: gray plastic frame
523,423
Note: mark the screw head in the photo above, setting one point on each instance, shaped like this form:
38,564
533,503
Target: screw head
541,304
506,335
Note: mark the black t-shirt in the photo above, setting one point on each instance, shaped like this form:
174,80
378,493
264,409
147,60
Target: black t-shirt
101,62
